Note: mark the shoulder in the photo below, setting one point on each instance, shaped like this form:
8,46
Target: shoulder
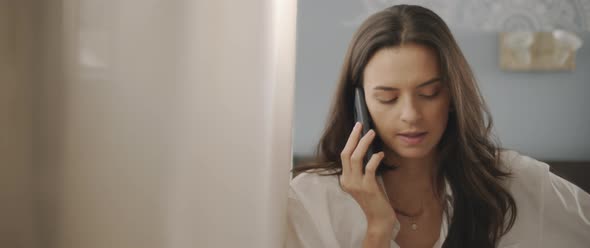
322,213
550,208
310,183
524,169
526,183
528,177
322,195
532,178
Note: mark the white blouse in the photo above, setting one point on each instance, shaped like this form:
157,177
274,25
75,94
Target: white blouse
552,212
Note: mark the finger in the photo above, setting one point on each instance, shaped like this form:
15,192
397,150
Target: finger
369,179
356,160
349,148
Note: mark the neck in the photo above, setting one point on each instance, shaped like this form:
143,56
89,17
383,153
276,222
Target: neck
411,185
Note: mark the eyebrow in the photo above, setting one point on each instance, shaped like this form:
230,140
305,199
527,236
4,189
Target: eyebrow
387,88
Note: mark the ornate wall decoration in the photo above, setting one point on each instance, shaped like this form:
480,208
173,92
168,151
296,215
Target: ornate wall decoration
497,15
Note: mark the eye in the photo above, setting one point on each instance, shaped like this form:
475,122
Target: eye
386,97
430,94
392,100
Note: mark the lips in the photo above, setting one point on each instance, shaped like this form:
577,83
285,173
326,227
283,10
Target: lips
412,138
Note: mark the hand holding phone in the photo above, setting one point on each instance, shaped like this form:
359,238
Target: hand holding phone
359,175
361,114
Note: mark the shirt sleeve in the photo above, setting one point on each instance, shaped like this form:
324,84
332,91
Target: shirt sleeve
565,214
301,228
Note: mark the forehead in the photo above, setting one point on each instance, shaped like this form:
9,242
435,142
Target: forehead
402,66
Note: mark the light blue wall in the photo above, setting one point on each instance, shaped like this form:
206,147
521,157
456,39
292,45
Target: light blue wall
545,115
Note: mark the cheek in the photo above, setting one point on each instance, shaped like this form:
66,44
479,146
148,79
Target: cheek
438,113
381,116
378,119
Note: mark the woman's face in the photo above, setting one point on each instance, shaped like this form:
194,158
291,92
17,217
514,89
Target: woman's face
407,100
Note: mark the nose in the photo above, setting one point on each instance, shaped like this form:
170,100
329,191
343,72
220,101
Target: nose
410,111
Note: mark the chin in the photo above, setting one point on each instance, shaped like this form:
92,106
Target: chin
412,152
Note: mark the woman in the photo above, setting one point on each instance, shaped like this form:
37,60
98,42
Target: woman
439,179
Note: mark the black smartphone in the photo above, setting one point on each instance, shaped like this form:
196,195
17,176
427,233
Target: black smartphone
361,114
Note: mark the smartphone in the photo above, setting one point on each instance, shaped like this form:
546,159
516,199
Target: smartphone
361,114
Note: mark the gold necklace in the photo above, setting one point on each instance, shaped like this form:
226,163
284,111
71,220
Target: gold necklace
412,217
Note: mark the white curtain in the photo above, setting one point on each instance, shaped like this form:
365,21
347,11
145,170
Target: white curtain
155,123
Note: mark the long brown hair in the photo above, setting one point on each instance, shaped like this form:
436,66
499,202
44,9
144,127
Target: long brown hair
483,209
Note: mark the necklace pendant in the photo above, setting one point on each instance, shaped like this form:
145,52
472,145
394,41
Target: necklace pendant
414,226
